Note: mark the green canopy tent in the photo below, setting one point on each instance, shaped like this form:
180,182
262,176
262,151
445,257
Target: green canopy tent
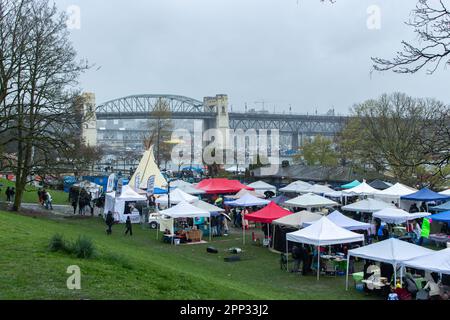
350,185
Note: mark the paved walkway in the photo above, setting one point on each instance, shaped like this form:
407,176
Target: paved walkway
61,210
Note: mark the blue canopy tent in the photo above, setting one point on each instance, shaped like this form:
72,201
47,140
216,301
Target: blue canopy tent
425,195
443,217
442,207
159,191
350,185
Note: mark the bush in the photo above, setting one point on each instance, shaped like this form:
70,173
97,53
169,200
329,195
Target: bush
57,243
83,248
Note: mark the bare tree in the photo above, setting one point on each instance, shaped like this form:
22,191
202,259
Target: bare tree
39,88
160,130
431,23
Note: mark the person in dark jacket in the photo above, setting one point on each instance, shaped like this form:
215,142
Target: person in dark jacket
386,271
298,258
109,222
128,227
8,194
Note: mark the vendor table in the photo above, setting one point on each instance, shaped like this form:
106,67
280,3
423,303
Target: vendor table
376,283
439,238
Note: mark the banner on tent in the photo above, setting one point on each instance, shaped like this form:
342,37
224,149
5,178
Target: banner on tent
137,181
151,185
110,185
425,228
119,186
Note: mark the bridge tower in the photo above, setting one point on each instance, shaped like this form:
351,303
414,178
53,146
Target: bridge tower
89,122
218,105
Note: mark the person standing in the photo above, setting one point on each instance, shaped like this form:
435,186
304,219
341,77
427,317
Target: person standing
8,194
48,202
109,222
12,193
128,226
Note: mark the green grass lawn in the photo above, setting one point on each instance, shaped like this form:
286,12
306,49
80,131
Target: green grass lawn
143,268
30,195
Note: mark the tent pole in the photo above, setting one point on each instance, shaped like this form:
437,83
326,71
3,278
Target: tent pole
401,275
243,229
395,274
346,277
210,228
273,236
287,255
318,262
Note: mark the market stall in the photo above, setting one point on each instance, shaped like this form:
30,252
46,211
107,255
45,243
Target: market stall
323,233
392,251
310,201
124,205
344,222
185,210
296,187
176,196
394,193
425,195
290,223
367,205
436,261
220,186
398,216
261,187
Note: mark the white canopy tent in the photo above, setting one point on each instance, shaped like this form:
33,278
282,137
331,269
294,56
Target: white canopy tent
243,192
344,222
323,233
117,204
296,187
310,200
394,193
207,206
297,219
179,183
437,261
367,205
92,188
240,169
190,189
391,251
361,189
176,196
319,189
261,187
248,200
398,216
187,210
445,192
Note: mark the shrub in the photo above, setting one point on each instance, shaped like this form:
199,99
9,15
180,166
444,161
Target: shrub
57,243
83,248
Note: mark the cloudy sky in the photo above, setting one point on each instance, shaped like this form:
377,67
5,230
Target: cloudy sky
303,53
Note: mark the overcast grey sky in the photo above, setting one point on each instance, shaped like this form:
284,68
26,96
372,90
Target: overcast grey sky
303,53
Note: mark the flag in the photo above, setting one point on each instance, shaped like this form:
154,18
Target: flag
137,181
110,184
151,185
426,228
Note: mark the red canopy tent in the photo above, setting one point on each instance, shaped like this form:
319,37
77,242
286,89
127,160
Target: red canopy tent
268,214
219,185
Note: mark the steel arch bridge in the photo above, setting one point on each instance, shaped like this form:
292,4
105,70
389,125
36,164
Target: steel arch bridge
141,107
